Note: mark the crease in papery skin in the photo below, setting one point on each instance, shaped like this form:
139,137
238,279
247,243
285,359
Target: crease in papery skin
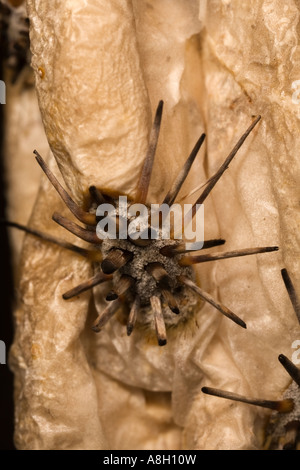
109,107
268,333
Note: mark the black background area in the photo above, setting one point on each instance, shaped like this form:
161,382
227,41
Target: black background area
6,300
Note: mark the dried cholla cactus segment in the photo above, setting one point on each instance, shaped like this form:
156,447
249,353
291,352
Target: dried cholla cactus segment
14,37
213,78
283,431
142,274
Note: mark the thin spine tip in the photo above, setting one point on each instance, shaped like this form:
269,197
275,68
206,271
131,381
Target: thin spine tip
282,358
290,367
129,329
158,113
38,157
237,320
284,275
96,329
160,105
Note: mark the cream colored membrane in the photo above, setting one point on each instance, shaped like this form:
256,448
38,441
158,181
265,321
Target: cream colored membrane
58,380
23,133
251,57
132,416
91,91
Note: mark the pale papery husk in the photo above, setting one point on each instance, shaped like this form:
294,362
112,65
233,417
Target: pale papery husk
23,132
75,389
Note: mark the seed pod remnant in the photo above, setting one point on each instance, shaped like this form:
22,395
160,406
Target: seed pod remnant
252,201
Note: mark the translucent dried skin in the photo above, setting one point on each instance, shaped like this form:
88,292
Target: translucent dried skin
89,78
23,130
259,197
253,204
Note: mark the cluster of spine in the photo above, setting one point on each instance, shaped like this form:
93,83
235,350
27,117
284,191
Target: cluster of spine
118,263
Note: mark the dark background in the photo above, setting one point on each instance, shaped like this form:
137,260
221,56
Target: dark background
6,299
